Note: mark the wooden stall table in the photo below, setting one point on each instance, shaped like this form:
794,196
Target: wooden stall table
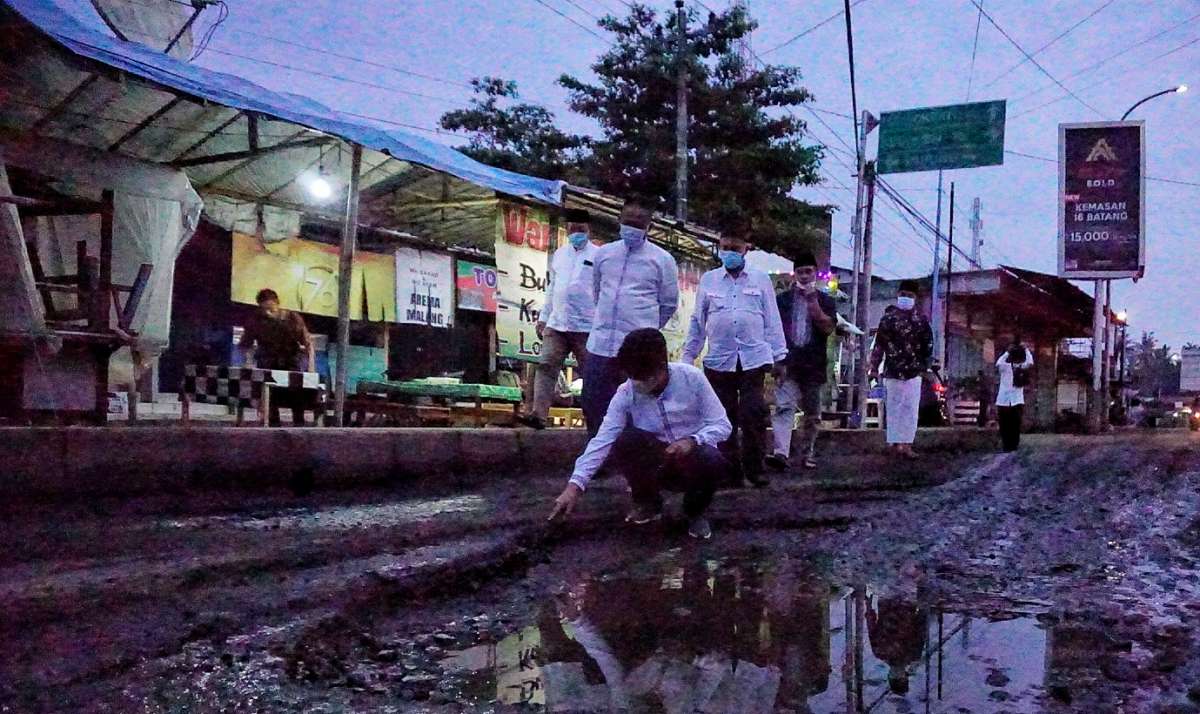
477,394
241,387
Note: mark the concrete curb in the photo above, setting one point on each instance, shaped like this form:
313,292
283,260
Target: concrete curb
78,462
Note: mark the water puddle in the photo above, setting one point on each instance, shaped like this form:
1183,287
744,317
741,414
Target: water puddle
721,636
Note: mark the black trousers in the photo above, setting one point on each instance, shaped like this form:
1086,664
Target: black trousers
642,458
741,393
1010,425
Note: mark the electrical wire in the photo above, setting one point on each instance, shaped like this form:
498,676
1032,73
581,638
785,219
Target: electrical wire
351,58
974,49
573,21
1055,161
1028,56
1049,44
814,28
202,45
1100,63
1171,52
336,77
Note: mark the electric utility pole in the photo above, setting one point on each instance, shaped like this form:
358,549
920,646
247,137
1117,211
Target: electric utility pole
863,289
976,231
682,52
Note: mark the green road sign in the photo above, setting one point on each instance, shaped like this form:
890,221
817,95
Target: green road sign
957,136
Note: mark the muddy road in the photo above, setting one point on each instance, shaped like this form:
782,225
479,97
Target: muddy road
1064,578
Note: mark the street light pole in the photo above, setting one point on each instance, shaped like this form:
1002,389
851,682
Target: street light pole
1173,90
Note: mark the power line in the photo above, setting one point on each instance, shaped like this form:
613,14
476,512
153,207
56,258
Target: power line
1046,46
1171,52
1109,58
1028,56
858,150
1055,161
351,58
974,49
583,9
572,20
812,29
337,77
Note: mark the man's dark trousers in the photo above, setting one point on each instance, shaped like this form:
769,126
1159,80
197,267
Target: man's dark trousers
741,393
642,458
601,378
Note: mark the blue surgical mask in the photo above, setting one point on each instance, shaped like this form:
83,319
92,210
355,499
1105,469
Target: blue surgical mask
633,236
578,239
906,303
732,260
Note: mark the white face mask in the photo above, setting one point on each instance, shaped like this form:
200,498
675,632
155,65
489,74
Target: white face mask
633,236
906,303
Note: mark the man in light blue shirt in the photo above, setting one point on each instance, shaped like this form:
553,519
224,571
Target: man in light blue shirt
661,431
636,285
736,313
566,318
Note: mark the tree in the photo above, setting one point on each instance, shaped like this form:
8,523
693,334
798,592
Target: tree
746,151
519,137
1155,370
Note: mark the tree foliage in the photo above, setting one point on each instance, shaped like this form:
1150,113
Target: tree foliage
746,152
1153,369
519,137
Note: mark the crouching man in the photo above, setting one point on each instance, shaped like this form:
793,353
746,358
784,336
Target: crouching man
661,431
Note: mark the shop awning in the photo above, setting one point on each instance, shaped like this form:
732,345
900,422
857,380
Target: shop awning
185,115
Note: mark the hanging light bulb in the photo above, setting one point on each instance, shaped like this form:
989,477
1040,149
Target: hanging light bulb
319,187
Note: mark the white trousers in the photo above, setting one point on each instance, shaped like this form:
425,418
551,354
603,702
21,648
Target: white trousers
902,404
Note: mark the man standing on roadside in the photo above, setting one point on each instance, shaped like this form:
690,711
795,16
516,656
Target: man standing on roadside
904,345
566,319
810,316
636,285
737,315
276,338
661,431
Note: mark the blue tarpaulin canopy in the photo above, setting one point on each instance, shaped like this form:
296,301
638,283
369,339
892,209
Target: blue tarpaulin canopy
199,85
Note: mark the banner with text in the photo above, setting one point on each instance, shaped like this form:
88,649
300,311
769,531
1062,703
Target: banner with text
1101,210
424,287
476,286
522,268
305,275
1189,370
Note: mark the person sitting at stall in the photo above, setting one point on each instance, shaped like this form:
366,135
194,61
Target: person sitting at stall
661,431
276,338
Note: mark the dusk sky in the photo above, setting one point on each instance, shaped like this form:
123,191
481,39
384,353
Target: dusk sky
907,55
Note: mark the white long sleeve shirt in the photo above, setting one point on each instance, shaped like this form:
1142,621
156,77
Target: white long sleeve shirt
633,290
739,317
570,304
688,407
1008,395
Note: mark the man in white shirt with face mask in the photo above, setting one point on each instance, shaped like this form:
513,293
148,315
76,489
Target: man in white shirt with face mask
661,431
636,285
566,318
736,314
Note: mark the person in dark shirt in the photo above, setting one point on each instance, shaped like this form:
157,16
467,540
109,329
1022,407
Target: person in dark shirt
275,339
904,344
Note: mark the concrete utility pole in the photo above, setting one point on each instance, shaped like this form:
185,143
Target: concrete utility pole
863,288
856,236
1096,408
949,285
681,112
934,310
976,231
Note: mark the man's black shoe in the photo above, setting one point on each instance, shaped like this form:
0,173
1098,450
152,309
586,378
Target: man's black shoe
532,422
641,514
777,462
699,528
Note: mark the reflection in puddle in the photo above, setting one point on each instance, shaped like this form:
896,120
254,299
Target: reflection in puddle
725,637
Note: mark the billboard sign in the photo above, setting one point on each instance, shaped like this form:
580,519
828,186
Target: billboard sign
957,136
1102,200
1189,370
424,288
